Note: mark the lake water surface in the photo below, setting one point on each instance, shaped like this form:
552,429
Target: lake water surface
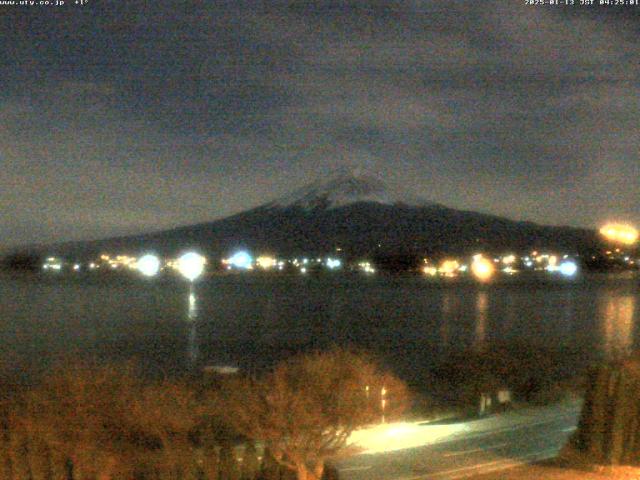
251,321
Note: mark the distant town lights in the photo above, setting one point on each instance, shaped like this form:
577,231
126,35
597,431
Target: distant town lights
148,265
431,271
191,265
265,262
366,267
449,268
509,259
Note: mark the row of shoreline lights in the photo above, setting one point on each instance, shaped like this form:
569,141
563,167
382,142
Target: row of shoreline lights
483,269
242,260
191,265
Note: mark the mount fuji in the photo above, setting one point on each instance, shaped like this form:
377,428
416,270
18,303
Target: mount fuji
354,213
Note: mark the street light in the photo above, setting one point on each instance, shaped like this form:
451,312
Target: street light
148,265
568,268
482,268
241,260
191,265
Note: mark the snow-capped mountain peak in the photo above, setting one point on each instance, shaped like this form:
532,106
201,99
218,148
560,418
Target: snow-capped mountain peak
343,189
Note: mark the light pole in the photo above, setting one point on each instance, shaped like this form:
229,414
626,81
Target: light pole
383,401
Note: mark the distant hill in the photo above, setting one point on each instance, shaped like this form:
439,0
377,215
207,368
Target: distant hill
355,213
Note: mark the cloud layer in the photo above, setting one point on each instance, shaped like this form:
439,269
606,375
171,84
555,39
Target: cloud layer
120,119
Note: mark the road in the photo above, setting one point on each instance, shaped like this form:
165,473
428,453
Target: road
448,451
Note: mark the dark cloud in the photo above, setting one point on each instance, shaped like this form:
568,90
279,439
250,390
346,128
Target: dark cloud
130,116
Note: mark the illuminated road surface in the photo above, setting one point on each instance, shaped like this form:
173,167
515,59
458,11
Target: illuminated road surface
459,450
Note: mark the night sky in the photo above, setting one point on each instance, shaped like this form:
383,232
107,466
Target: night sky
128,116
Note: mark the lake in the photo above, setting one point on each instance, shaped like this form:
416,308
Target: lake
252,321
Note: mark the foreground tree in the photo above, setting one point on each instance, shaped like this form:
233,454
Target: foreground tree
305,410
103,423
164,417
80,416
609,427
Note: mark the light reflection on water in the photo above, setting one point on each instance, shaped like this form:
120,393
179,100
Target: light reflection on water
617,314
250,321
482,305
193,348
446,310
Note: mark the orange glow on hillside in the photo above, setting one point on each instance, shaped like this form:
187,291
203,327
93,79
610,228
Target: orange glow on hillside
620,233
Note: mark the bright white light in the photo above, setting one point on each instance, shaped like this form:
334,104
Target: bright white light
303,270
399,436
76,267
191,265
241,259
333,263
148,265
568,268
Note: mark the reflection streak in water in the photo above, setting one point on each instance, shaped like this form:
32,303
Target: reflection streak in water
482,304
617,314
445,318
193,349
